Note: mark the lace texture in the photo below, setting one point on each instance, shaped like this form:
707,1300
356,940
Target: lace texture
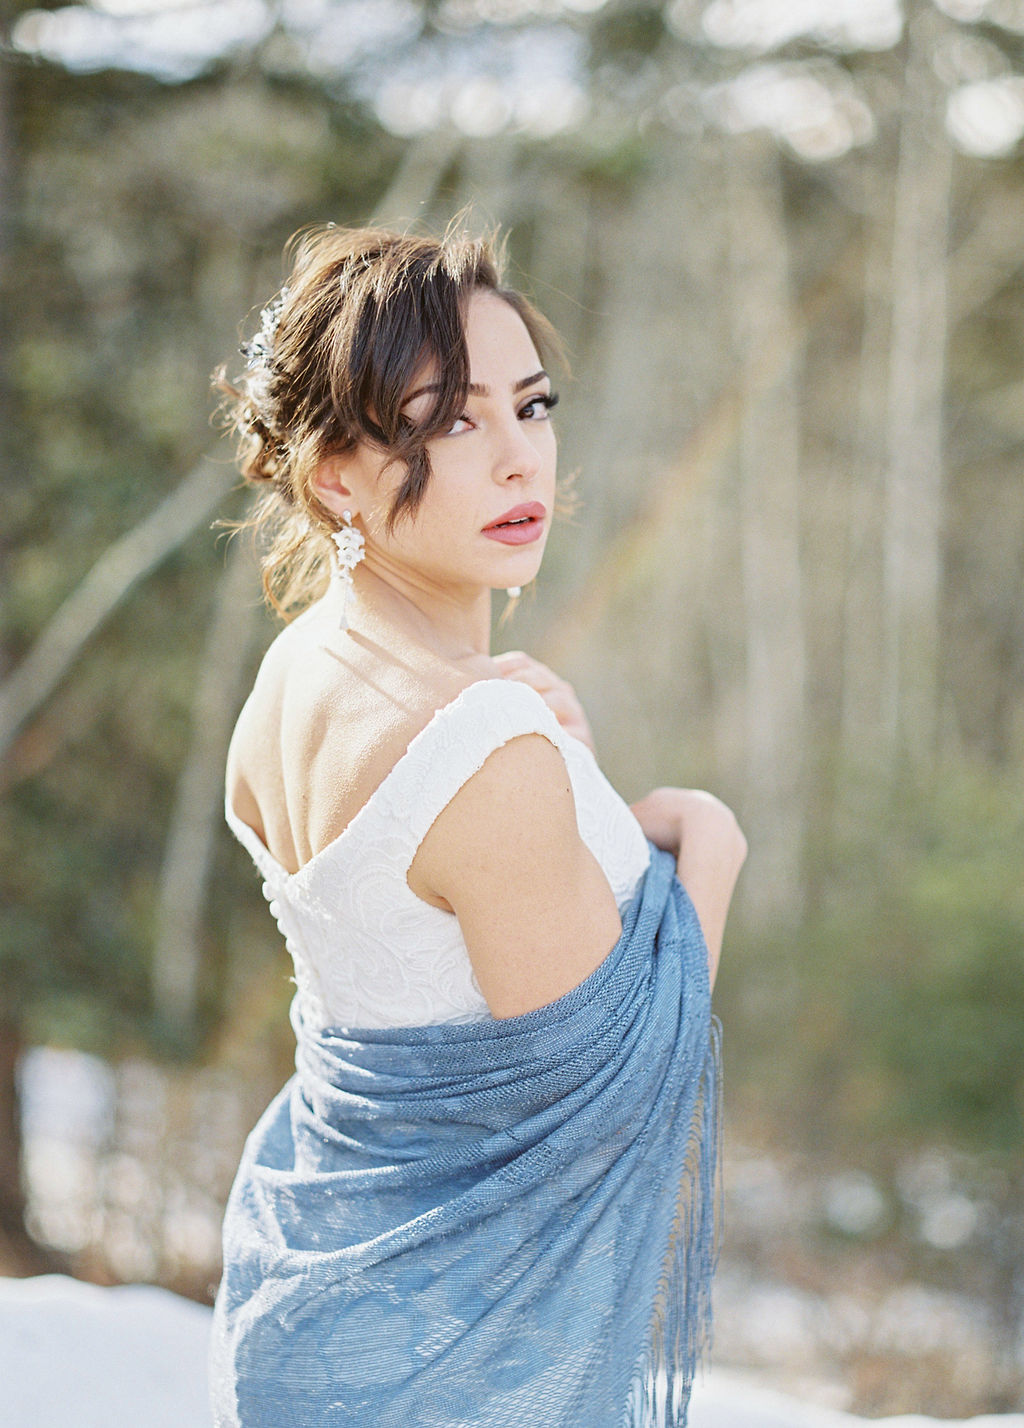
367,951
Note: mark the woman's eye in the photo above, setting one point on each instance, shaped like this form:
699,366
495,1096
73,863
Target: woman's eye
537,408
463,424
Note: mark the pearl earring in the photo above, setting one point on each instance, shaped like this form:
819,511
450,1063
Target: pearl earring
514,591
349,544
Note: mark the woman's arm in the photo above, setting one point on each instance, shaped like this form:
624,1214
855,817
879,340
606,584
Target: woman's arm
703,836
534,906
698,829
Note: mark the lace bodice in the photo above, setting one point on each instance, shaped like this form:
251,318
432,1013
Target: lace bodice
368,951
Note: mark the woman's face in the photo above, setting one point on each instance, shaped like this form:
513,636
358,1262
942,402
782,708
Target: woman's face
485,514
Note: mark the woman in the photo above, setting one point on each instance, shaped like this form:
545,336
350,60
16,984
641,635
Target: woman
485,1195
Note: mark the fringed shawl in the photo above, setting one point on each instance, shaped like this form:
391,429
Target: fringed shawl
507,1222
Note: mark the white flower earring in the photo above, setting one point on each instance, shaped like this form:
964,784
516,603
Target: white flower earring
349,544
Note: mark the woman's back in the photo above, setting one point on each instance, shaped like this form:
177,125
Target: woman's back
327,719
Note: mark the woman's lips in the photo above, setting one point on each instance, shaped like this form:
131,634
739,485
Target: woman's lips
519,526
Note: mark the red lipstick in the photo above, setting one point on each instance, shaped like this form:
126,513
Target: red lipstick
518,526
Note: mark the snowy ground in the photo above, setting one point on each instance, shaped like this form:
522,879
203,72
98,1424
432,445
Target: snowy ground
72,1353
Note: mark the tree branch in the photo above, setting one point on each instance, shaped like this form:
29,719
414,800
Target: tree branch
119,568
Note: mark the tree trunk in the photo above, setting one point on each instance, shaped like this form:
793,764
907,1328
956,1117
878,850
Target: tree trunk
914,488
177,951
8,422
769,519
12,1196
19,1253
863,619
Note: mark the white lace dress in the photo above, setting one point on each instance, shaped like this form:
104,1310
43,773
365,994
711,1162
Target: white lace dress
367,951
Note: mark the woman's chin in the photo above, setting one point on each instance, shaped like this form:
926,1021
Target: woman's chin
517,582
517,573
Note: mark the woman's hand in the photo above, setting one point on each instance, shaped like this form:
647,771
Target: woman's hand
709,848
558,694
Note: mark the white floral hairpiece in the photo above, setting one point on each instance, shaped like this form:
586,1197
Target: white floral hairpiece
259,350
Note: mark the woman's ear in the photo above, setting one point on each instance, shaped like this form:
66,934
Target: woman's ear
331,484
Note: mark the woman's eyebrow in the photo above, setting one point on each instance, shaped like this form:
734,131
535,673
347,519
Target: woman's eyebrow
476,390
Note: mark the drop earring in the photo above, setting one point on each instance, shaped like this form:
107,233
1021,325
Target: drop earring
349,544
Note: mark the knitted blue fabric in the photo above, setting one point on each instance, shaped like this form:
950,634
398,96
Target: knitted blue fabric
506,1222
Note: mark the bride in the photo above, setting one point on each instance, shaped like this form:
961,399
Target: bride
486,1195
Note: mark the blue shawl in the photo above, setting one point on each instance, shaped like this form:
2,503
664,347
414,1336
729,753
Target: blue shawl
506,1222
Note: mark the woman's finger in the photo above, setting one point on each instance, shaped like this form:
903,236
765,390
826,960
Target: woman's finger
557,693
518,662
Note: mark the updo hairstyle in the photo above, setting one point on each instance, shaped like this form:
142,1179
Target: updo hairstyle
362,312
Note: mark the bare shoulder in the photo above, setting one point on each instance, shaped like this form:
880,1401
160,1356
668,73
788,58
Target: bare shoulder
534,906
526,778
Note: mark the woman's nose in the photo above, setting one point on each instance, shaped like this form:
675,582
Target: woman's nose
516,455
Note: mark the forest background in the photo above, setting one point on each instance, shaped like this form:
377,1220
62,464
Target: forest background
783,242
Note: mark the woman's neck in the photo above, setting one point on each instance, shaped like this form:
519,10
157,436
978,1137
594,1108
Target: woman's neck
455,627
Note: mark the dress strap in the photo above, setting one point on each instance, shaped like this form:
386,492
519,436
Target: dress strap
451,749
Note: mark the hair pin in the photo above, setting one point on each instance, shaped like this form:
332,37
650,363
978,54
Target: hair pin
259,350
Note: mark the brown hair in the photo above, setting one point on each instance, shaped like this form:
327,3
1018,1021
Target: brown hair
363,310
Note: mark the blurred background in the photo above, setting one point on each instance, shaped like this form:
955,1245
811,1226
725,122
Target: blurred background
784,241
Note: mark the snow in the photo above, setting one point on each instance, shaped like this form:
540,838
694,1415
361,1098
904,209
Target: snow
100,1358
114,1358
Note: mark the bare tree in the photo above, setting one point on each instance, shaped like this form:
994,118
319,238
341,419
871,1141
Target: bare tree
769,456
862,682
184,874
914,435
